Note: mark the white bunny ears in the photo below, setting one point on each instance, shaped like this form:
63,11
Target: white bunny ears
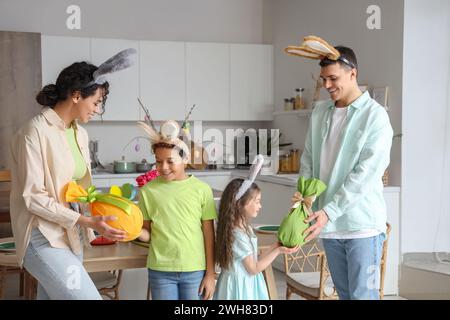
316,48
254,170
168,134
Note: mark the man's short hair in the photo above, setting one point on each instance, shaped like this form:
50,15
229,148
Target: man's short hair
346,60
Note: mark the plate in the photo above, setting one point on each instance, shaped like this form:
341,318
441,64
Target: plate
9,246
269,229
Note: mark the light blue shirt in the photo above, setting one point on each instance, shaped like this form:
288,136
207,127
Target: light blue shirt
354,198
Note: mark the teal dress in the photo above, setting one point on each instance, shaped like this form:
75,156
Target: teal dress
235,283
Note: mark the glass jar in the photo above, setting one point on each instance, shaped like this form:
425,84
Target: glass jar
295,160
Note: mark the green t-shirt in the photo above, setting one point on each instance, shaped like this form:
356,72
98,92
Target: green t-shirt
80,164
176,210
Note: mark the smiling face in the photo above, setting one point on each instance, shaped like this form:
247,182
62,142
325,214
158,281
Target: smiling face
253,205
86,108
169,164
339,81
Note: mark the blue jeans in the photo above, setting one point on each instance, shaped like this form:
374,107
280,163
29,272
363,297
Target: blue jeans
59,272
355,266
175,285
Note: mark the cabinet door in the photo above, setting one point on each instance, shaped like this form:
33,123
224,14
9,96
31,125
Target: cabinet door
60,52
122,104
208,80
275,202
393,253
163,79
251,72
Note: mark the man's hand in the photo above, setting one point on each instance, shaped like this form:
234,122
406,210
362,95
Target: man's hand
314,230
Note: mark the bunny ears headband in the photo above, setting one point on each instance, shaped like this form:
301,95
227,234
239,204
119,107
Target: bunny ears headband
122,60
316,48
254,170
168,134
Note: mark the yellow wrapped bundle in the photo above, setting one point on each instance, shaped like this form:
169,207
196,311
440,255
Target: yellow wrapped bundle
129,216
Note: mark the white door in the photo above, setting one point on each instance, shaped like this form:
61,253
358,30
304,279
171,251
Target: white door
163,79
208,80
251,75
121,104
60,52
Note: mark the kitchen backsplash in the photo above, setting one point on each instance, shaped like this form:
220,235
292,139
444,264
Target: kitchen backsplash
113,138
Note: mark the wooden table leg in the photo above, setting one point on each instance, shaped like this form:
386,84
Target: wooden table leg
30,286
270,281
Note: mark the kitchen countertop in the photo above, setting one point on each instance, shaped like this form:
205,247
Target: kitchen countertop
289,180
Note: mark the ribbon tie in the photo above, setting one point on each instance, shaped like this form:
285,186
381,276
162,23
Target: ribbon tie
306,202
76,193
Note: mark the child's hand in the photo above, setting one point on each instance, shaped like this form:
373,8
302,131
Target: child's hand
144,236
287,250
207,287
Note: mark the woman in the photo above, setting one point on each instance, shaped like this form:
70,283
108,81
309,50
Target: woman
48,152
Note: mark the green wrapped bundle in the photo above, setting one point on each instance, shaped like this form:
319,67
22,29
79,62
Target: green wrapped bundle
293,225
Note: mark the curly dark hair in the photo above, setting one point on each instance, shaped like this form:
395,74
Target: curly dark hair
168,146
71,79
231,215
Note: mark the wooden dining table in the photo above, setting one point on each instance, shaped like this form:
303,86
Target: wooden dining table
4,206
129,255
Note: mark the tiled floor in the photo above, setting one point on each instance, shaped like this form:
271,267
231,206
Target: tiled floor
12,288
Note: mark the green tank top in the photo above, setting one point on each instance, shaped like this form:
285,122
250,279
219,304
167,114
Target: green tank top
80,164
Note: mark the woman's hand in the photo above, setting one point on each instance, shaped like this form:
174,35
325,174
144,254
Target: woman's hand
99,224
144,235
207,286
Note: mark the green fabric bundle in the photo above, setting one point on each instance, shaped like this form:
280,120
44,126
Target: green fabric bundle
293,225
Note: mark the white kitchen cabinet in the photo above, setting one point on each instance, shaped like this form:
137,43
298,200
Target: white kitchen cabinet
163,79
208,80
218,182
251,72
60,52
121,104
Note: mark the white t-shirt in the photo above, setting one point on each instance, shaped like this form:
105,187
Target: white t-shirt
330,149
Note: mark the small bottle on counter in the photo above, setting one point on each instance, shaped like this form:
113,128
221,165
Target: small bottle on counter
295,160
287,105
299,104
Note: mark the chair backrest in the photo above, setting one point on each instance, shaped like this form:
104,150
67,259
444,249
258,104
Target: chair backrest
307,259
384,260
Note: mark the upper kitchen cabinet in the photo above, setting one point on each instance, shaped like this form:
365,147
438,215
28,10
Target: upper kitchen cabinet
121,104
163,79
60,52
251,72
208,80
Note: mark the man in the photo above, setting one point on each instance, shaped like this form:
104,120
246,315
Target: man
348,147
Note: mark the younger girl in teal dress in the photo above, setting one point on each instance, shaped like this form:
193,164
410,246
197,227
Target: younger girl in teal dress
236,245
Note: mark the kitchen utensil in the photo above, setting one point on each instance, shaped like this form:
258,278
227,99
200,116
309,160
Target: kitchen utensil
199,157
144,166
123,166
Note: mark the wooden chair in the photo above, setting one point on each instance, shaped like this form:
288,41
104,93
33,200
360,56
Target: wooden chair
316,283
307,274
107,283
5,177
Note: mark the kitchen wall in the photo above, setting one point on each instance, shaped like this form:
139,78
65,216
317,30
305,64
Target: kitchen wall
343,22
237,21
426,122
